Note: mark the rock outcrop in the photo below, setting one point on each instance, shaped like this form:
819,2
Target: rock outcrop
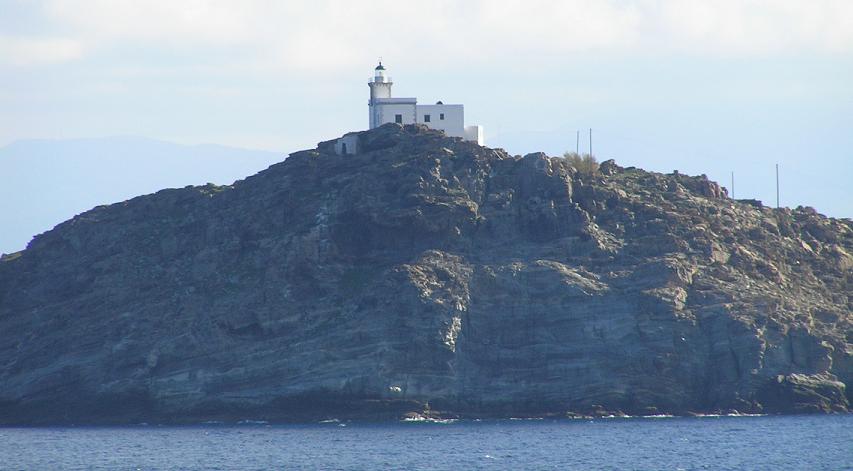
427,275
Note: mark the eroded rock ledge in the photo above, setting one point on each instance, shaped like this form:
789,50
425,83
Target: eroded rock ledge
427,275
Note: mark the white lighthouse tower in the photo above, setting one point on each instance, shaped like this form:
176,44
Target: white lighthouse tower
380,87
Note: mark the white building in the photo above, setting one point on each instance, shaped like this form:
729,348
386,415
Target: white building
386,109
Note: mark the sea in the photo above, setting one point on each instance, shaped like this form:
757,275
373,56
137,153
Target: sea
658,443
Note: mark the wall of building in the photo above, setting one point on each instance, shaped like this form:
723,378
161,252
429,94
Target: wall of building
453,123
348,144
475,133
385,112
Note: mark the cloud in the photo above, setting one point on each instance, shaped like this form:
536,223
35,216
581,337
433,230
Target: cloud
754,27
25,51
194,21
335,34
302,29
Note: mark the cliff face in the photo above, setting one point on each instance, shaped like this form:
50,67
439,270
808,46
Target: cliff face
427,273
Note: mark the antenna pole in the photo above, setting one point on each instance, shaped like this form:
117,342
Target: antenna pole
777,186
590,142
733,185
578,143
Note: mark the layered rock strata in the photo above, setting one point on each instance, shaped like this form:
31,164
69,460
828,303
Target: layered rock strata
427,275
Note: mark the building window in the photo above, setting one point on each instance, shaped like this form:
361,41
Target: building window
426,118
398,118
441,116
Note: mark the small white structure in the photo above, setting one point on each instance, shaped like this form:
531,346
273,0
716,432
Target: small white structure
386,109
347,144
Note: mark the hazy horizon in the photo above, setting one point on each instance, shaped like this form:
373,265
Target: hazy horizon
50,181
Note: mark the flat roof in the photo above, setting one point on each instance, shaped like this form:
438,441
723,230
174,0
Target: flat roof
402,101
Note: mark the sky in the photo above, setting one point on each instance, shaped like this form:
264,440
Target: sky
705,86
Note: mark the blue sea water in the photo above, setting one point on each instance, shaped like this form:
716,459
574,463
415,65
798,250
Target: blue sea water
715,443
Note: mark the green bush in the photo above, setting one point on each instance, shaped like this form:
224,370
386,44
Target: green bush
583,163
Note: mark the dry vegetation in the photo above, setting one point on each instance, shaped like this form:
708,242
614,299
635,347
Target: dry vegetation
584,163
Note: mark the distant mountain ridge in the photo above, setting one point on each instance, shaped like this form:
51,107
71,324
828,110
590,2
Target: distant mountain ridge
45,181
428,276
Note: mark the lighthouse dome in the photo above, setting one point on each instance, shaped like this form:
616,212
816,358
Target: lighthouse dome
380,75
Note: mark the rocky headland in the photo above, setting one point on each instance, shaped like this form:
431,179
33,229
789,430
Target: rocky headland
428,276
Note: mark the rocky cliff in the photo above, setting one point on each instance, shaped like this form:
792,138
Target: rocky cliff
427,275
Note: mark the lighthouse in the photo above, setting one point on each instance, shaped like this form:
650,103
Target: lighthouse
380,88
384,108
